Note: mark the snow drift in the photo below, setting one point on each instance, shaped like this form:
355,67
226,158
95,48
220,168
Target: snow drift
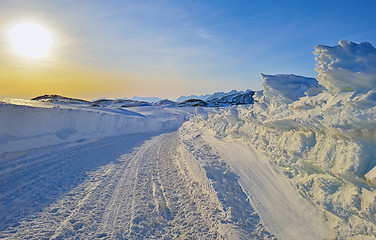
289,88
347,67
321,132
31,124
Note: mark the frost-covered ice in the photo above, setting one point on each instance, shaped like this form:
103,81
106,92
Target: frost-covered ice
320,133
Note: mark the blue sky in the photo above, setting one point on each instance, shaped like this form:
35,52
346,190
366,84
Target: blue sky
173,48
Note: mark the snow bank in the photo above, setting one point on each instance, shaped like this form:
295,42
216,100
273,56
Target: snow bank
321,133
346,67
26,125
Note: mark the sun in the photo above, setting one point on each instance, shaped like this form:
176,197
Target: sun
30,40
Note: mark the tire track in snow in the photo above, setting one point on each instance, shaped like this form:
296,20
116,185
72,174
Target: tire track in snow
152,192
283,210
47,174
240,220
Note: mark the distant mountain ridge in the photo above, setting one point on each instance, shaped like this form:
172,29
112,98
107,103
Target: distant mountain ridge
102,102
60,99
223,99
147,99
219,95
219,99
210,97
201,97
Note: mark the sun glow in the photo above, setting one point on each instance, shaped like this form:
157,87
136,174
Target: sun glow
30,40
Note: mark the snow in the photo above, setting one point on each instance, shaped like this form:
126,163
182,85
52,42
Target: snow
289,88
127,187
322,138
201,97
31,124
346,67
146,99
282,210
210,169
233,99
219,95
60,99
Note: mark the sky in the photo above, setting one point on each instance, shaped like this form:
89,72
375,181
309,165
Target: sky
123,48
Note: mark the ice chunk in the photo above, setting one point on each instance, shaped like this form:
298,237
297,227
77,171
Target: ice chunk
346,67
289,87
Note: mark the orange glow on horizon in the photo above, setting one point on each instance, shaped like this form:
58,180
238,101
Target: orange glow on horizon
84,83
73,82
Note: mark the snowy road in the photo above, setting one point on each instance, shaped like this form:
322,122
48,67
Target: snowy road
151,192
32,181
179,185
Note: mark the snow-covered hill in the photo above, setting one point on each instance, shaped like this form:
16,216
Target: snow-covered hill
201,97
146,99
118,103
230,98
235,98
322,134
219,95
59,99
